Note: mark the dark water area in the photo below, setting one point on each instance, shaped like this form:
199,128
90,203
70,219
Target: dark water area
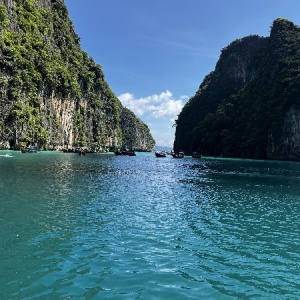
102,226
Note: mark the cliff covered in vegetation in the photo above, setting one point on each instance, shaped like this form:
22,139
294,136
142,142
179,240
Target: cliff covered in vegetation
249,106
51,92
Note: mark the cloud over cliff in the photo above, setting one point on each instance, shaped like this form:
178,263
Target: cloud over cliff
158,105
158,111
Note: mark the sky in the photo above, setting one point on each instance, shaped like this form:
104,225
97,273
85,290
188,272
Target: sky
155,54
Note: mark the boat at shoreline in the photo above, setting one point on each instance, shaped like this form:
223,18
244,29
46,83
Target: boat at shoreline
160,154
31,149
125,152
179,154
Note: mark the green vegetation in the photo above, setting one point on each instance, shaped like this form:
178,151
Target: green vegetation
136,134
49,87
240,108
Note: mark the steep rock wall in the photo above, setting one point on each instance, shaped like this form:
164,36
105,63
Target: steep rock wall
236,67
51,93
250,107
135,132
287,144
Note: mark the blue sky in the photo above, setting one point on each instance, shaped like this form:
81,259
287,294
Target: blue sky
156,53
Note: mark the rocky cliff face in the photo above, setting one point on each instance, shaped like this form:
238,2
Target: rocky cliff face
236,67
249,105
51,93
135,132
287,145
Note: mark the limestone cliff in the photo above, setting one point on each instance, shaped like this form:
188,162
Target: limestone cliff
52,93
249,106
135,132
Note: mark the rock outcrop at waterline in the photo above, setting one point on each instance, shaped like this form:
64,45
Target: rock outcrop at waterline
51,92
249,106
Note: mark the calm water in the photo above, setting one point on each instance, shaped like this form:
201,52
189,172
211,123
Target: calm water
111,227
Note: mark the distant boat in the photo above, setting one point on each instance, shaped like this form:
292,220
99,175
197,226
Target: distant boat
31,149
118,152
131,153
179,154
125,152
160,154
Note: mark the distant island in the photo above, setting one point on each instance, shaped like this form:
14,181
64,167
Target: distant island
249,106
53,95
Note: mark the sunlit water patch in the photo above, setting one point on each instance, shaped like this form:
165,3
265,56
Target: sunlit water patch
108,227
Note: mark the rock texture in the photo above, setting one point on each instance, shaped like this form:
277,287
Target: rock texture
135,132
52,94
249,106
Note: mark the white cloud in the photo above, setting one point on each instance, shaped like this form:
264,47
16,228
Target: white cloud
158,111
158,105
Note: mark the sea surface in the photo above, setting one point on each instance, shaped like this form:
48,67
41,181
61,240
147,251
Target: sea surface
102,226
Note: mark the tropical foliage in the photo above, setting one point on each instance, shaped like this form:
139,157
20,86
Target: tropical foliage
240,106
136,134
42,63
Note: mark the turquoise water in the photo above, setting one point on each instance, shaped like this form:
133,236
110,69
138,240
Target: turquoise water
109,227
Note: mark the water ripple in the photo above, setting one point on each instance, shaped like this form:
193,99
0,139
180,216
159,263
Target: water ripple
107,227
